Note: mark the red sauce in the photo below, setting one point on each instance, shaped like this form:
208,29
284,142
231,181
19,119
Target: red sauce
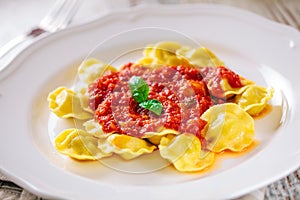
214,75
182,91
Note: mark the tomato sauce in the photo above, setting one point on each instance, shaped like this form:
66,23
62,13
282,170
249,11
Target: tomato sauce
214,75
183,92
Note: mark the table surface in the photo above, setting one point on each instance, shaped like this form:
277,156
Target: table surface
19,15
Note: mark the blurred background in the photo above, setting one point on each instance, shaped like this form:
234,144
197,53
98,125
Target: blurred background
16,16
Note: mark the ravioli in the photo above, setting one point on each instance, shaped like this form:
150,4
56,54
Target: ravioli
94,128
161,132
254,99
88,72
230,91
79,145
199,57
155,137
81,89
129,147
91,69
229,127
162,53
172,53
184,151
65,103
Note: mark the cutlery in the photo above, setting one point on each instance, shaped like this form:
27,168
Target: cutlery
59,17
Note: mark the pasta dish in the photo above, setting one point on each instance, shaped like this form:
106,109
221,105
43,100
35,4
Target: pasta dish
181,101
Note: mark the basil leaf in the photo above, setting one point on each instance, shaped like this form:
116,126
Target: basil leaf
139,91
138,88
152,105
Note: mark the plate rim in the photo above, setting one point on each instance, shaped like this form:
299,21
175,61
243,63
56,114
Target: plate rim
140,9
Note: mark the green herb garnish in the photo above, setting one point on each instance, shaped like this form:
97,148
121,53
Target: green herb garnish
152,105
139,90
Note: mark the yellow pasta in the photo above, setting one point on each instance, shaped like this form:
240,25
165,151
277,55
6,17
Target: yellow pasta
199,57
81,89
161,48
79,145
229,127
162,53
230,91
184,151
94,128
161,132
66,104
129,147
91,69
254,99
88,72
172,53
155,137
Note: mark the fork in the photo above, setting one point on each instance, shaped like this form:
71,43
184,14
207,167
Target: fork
59,17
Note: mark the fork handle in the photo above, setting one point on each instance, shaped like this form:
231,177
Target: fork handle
13,48
11,45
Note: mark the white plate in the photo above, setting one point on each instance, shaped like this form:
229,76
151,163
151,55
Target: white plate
259,49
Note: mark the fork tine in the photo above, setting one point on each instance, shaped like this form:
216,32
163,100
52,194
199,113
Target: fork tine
60,15
52,13
68,13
